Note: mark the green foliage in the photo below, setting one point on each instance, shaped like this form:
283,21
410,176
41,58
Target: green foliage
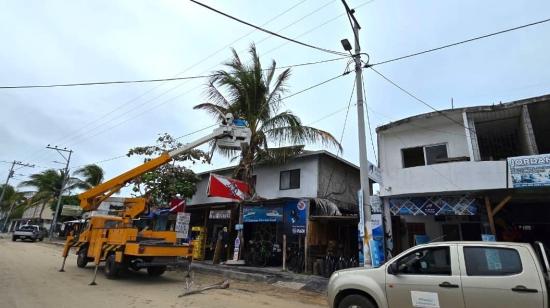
252,93
92,175
170,179
70,200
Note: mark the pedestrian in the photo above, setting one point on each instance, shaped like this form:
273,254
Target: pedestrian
220,250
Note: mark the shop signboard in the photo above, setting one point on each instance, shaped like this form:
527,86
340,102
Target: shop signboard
374,173
182,225
262,214
377,251
296,216
219,214
530,171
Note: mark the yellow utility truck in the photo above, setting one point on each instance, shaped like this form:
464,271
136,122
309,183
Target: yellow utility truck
115,240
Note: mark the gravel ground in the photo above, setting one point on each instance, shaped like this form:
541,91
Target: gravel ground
29,278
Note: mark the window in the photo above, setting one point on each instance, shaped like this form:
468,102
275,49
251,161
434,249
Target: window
424,155
436,154
429,261
290,179
484,261
413,157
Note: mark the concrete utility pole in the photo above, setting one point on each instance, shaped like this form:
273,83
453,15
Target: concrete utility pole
363,161
63,182
10,175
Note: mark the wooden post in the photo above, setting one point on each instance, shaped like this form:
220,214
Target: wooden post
284,252
490,215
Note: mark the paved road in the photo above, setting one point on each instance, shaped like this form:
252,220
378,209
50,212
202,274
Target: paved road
29,278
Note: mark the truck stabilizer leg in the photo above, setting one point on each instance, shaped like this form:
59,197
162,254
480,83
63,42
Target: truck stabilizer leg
62,269
95,275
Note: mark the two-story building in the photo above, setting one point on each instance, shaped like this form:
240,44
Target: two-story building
311,199
447,175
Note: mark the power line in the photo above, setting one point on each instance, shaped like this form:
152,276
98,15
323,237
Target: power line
210,126
368,122
209,56
419,100
459,43
95,83
268,31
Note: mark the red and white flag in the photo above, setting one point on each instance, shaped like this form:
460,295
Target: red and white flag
221,186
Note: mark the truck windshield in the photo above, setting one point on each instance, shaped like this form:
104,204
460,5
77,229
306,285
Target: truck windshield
27,228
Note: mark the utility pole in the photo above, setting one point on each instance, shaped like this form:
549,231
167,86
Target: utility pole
363,161
63,182
10,175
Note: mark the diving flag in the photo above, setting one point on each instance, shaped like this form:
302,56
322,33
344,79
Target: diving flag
221,186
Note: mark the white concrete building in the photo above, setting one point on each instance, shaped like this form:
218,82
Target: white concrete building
442,172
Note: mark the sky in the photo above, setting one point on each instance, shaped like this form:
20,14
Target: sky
48,42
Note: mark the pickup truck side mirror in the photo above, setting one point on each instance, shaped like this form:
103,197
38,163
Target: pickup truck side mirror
393,269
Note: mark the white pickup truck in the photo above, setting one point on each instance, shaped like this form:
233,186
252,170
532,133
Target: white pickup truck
449,275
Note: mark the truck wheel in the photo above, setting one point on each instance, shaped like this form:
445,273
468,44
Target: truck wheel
111,267
14,238
156,271
82,258
356,301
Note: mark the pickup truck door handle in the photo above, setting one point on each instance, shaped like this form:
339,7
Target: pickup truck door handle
524,289
448,285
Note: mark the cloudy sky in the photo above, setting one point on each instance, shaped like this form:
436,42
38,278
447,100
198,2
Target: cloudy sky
46,42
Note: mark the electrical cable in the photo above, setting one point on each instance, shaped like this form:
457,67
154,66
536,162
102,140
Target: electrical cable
459,43
85,126
268,31
421,101
152,80
341,138
210,126
368,121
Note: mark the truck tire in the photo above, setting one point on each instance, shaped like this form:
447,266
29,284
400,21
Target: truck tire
156,271
14,238
111,268
82,258
356,301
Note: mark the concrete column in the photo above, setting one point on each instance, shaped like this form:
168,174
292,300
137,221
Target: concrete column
471,137
527,134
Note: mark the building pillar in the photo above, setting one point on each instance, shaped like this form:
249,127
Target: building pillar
527,133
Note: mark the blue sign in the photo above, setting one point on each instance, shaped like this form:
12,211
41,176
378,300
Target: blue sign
295,216
262,214
530,171
377,252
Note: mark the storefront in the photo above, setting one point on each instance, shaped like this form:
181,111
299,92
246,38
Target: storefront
422,219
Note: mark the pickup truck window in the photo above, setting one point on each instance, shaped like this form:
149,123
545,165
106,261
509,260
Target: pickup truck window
428,261
492,261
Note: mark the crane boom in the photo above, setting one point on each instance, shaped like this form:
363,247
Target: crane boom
226,136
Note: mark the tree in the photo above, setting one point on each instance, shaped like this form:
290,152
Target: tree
48,186
11,197
170,179
252,93
91,175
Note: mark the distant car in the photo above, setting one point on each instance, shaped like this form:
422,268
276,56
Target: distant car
31,232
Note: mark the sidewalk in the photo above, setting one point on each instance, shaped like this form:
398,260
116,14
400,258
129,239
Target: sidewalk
265,274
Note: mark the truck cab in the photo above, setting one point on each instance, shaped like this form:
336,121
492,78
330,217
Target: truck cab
449,274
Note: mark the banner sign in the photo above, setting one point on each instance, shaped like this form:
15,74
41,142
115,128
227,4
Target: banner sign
375,204
262,214
377,251
224,187
182,225
219,214
434,206
295,216
530,171
374,173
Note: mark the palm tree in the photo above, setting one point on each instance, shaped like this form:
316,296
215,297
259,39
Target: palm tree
252,93
12,199
92,175
48,186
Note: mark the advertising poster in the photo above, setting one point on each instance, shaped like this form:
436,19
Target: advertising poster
182,225
295,216
530,171
262,214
